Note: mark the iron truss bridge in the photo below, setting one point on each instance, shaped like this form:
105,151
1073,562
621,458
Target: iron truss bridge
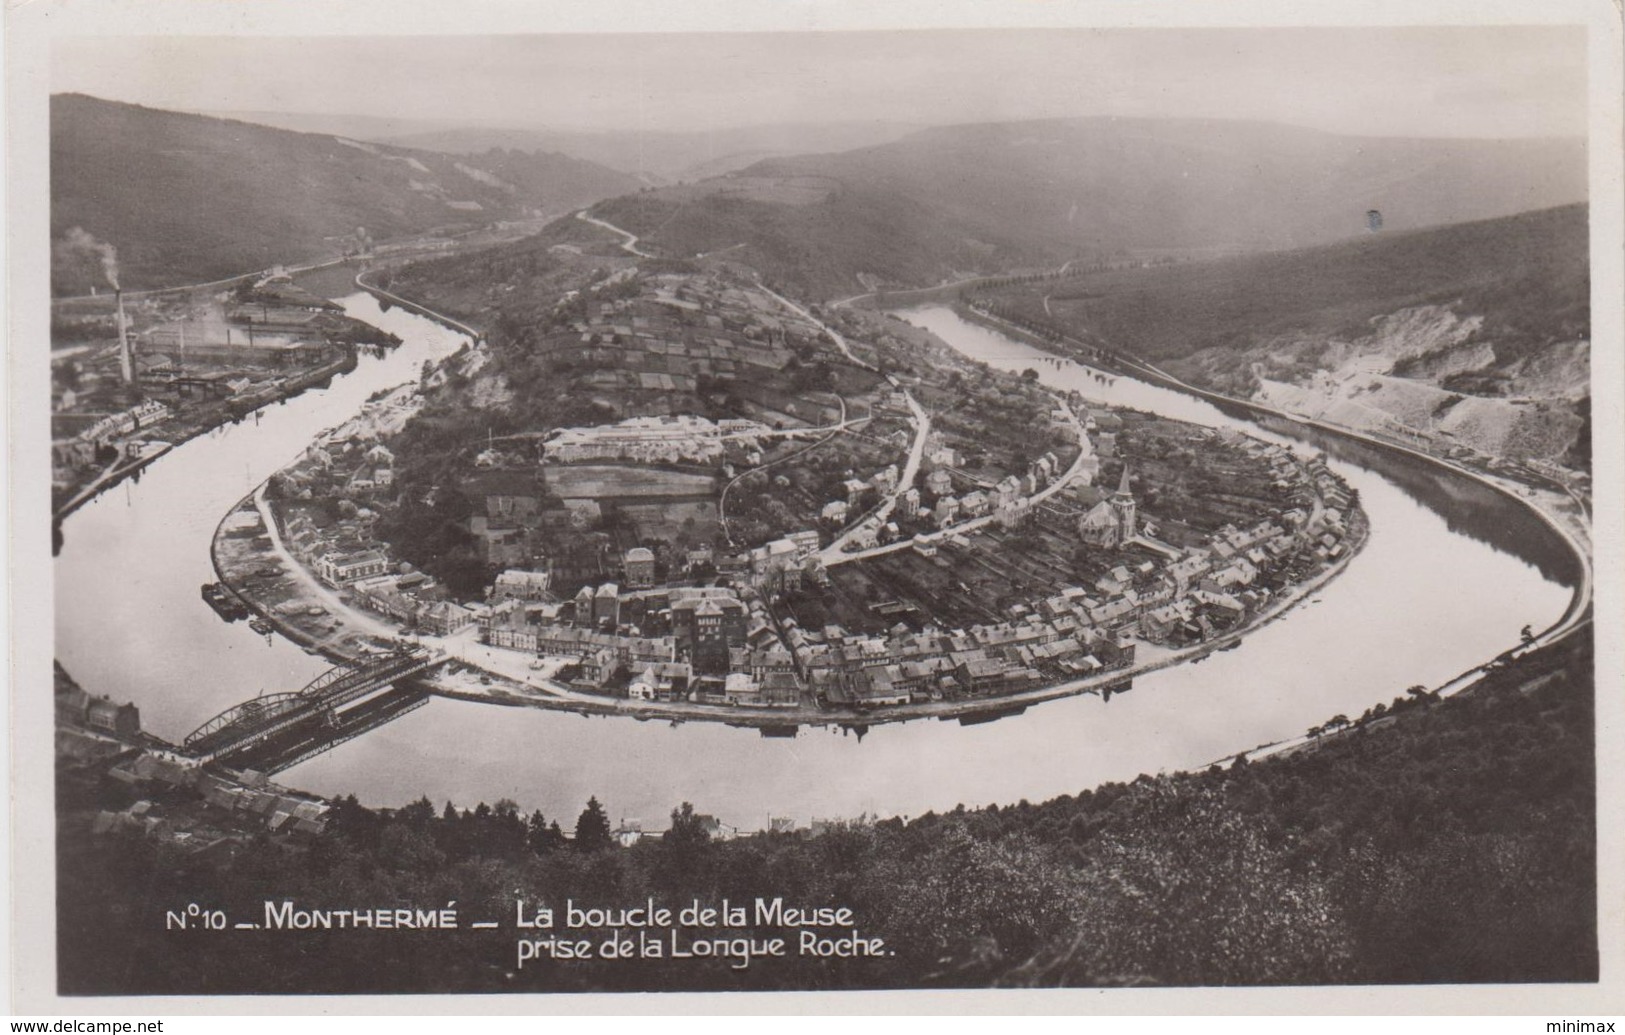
275,731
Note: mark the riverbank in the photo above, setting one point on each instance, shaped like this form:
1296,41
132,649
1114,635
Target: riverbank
410,306
178,430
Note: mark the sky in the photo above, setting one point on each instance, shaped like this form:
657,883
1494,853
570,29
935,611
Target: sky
1458,81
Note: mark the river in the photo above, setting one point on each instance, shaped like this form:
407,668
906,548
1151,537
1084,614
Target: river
1452,572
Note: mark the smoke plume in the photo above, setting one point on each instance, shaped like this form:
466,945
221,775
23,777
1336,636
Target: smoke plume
78,241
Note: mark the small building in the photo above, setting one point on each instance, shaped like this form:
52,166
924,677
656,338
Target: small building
342,569
517,584
606,606
661,681
121,719
445,618
909,502
638,567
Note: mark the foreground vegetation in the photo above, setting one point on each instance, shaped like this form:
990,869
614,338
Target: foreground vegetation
1429,841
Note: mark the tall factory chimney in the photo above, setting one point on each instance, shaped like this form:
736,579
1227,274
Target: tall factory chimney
126,358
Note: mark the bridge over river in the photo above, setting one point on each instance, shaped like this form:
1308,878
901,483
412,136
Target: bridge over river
272,732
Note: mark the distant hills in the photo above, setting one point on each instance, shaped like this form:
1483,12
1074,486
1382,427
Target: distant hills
661,156
188,198
655,156
963,199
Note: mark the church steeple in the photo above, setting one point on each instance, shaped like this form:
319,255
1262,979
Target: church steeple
1122,487
1123,504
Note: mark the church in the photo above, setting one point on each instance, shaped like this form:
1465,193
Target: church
1111,522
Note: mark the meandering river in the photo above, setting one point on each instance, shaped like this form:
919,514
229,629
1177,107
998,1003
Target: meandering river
1452,572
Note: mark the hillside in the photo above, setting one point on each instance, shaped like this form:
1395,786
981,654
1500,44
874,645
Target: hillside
663,156
1478,331
1432,841
186,198
969,198
814,236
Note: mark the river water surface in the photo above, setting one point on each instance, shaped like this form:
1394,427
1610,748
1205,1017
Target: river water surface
1451,574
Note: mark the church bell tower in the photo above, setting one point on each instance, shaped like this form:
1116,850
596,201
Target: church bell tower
1123,505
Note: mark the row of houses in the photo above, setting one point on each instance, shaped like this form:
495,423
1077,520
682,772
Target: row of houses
74,707
117,425
413,599
80,451
653,668
253,798
982,661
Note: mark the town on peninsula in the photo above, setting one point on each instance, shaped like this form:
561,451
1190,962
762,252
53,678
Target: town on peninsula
760,518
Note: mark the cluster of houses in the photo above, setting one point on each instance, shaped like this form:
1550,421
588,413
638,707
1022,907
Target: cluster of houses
982,661
1159,594
74,707
687,328
780,565
723,645
706,652
351,469
1078,632
350,464
1008,500
414,600
235,808
344,556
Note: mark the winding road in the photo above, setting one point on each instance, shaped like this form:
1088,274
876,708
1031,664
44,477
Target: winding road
972,525
631,242
835,551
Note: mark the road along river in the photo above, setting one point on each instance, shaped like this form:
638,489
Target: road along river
1451,574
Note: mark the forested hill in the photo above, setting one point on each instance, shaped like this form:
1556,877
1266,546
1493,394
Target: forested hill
986,198
188,198
1427,841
